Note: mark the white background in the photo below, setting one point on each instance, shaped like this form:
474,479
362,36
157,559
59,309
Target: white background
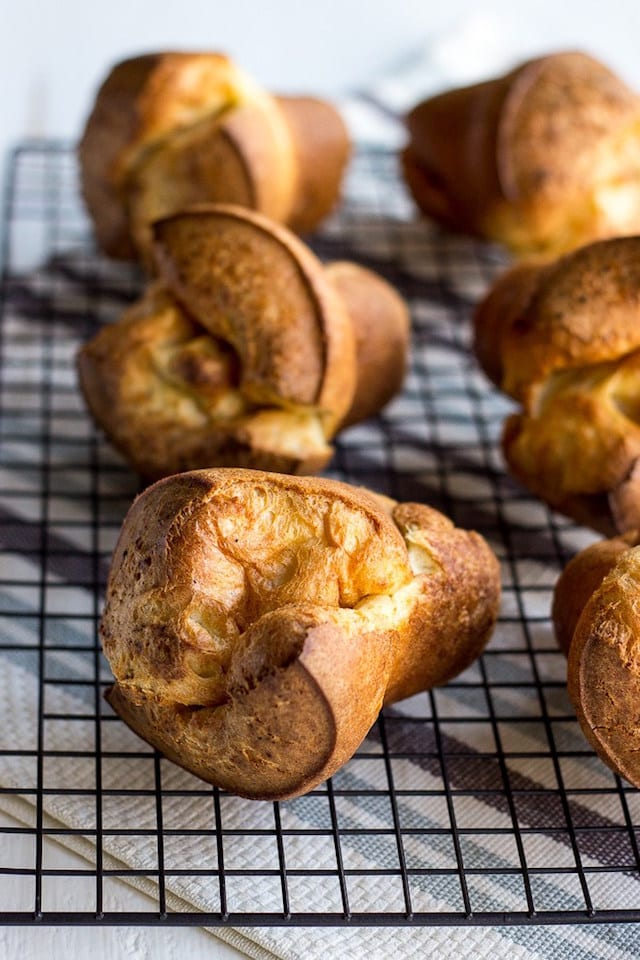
54,54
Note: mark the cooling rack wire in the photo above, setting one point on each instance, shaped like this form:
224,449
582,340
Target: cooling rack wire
477,803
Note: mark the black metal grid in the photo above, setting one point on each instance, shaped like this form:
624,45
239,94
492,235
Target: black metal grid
477,803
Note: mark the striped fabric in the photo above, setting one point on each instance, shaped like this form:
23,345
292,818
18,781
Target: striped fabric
474,820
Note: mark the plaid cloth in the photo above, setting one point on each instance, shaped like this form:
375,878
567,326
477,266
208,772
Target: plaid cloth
477,803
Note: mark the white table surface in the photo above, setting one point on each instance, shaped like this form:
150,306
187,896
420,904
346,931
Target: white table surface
101,943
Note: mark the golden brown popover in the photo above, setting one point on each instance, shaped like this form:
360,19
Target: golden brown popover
543,159
563,339
246,352
256,623
597,620
172,129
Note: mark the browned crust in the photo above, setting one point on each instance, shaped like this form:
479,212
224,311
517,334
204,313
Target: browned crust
459,602
322,149
521,159
171,129
603,666
243,155
563,339
112,124
496,315
265,147
254,284
580,579
582,309
141,101
579,455
275,736
180,89
307,634
255,364
154,382
561,110
205,160
580,439
283,730
449,162
381,324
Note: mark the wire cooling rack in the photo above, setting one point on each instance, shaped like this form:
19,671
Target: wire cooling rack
476,803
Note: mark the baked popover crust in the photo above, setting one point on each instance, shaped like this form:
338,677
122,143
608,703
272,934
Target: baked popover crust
543,159
563,339
171,129
247,352
256,623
